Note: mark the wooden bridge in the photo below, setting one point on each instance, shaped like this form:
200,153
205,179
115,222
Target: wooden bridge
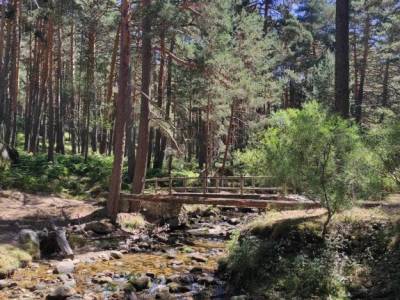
238,191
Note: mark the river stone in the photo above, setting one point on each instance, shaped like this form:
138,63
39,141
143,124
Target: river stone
162,293
198,257
116,254
196,270
102,279
177,288
64,267
234,221
61,293
241,297
100,227
7,284
29,241
140,283
206,280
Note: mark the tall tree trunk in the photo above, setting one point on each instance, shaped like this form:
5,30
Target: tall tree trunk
342,58
90,90
44,72
267,4
122,113
168,104
363,70
14,82
110,83
72,126
158,159
385,85
60,95
143,143
228,140
50,104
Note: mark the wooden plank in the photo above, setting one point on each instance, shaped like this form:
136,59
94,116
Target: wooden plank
276,202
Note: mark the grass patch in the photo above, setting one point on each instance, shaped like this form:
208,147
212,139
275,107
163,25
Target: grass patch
130,222
12,258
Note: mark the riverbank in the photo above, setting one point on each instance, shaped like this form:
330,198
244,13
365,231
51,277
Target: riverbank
282,255
135,261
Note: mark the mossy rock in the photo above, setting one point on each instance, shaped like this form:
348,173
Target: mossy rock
12,258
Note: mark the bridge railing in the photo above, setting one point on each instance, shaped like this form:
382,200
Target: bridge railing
213,184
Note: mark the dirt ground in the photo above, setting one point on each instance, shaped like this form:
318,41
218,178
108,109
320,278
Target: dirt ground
21,210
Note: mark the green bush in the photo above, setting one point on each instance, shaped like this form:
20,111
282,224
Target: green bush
318,154
67,174
385,140
284,267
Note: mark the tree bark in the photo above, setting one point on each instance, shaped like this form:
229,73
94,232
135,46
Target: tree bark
158,157
143,142
363,70
385,85
50,104
122,113
342,58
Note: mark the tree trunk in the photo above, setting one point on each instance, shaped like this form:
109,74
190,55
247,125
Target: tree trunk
50,104
168,104
363,70
122,113
342,58
60,96
143,143
158,159
385,85
14,76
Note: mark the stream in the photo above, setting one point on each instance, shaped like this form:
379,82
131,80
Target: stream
166,264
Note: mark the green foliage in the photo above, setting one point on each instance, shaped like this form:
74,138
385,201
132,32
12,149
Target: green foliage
284,268
68,174
385,140
318,154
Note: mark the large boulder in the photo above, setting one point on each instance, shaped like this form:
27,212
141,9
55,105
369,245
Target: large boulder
64,267
100,227
171,214
30,242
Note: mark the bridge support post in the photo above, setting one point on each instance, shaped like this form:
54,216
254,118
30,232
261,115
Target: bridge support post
170,185
241,184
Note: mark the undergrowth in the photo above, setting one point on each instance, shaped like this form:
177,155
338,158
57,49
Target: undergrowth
288,259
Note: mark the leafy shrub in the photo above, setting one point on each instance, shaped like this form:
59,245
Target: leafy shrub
385,140
284,267
67,174
318,154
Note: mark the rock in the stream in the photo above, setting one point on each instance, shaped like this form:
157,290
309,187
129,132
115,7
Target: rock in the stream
198,257
196,270
162,293
206,280
64,267
7,284
140,283
241,297
61,293
234,221
100,227
102,279
30,242
183,279
177,288
116,254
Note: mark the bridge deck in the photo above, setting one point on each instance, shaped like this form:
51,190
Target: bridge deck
274,201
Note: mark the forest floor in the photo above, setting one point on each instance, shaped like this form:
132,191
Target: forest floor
34,211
